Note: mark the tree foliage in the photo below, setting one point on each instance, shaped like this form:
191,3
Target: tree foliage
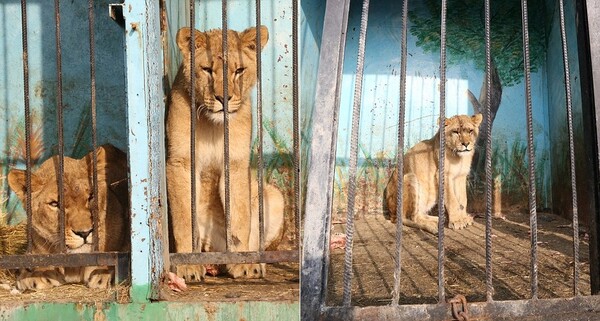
465,33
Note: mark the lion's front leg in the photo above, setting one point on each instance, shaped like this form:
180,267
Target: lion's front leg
240,216
456,203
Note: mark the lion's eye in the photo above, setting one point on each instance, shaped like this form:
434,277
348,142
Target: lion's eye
53,204
239,71
207,69
470,131
455,132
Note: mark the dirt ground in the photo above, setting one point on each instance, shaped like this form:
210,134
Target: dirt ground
373,261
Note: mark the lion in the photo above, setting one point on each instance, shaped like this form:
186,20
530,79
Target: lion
209,159
113,218
420,188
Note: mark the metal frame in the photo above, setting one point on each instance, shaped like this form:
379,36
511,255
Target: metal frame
588,14
318,204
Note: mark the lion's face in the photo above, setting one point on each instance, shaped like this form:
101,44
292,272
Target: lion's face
78,203
461,133
209,79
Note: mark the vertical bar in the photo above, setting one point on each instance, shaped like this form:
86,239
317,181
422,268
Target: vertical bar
27,122
226,168
145,125
61,147
259,118
296,120
563,36
321,161
347,296
589,68
193,118
488,158
441,183
530,153
94,134
400,153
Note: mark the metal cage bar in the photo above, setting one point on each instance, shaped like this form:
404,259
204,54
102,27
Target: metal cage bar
259,131
226,163
61,143
27,112
193,117
530,152
488,156
94,208
442,156
400,153
296,119
360,65
569,107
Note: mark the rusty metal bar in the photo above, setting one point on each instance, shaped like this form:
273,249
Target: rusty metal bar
296,120
234,257
400,155
61,143
193,118
259,131
226,169
579,308
27,122
62,259
530,153
95,237
565,52
360,65
488,157
442,156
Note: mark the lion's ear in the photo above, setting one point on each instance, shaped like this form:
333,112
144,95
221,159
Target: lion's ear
248,37
16,181
477,119
183,39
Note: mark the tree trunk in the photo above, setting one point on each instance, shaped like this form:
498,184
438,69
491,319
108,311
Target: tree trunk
479,107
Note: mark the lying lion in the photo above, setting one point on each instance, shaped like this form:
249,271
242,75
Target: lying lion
420,189
113,220
209,162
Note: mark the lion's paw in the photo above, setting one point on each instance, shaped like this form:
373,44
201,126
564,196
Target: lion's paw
39,280
191,273
460,221
247,271
99,279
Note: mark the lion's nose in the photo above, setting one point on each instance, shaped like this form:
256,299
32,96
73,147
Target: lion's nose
466,144
220,99
83,234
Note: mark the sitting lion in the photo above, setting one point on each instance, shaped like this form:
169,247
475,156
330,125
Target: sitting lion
209,163
113,226
420,191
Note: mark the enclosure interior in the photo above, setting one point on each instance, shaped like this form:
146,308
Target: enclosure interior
281,282
43,90
373,262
